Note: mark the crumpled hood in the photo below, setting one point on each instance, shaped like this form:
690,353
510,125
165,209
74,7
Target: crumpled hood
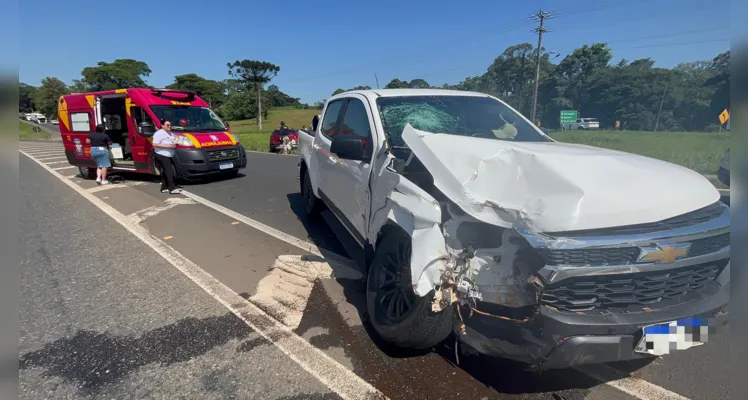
556,187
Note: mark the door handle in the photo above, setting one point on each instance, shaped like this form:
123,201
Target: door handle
316,146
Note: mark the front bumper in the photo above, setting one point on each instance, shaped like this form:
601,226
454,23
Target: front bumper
199,162
590,313
554,340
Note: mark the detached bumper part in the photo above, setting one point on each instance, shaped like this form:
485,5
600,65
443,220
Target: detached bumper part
197,162
554,340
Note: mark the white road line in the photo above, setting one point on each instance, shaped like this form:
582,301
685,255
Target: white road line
45,153
329,372
52,158
59,168
73,176
112,186
636,387
348,267
55,162
142,215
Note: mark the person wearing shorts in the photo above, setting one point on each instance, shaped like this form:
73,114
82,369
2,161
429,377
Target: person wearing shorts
100,143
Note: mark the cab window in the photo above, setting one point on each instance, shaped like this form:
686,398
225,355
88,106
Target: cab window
356,122
329,121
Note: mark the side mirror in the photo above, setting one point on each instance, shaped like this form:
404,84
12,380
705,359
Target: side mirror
348,147
145,129
227,124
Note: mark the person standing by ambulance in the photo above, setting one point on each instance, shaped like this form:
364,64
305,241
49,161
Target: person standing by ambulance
100,143
163,144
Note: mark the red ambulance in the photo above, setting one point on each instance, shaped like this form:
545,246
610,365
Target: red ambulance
205,144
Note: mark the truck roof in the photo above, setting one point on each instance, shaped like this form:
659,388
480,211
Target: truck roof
375,93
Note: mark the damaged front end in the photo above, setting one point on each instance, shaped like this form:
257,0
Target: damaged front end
547,300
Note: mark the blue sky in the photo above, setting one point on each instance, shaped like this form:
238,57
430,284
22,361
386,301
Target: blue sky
325,45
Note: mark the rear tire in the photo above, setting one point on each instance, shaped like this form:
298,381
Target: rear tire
312,204
396,313
87,173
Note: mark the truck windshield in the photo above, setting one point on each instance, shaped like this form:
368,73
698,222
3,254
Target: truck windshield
189,118
473,116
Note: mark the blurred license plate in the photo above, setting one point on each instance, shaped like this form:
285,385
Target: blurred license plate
226,165
682,334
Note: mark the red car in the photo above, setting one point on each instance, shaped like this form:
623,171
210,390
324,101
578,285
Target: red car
276,138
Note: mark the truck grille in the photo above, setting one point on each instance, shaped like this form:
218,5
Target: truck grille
629,292
598,257
220,155
625,255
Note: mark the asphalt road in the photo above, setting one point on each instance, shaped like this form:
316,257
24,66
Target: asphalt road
103,315
245,260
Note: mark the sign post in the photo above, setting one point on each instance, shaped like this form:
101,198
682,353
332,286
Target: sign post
568,117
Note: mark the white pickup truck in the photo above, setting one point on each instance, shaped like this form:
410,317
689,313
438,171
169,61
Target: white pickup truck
473,221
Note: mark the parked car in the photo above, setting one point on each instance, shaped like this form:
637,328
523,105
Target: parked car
276,138
584,124
471,220
724,169
54,122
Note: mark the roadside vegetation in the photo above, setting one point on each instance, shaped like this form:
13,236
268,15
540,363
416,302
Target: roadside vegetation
636,95
26,132
700,152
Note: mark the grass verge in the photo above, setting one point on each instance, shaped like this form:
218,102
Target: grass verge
253,138
700,152
26,132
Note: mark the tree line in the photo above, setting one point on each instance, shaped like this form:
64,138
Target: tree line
242,96
688,97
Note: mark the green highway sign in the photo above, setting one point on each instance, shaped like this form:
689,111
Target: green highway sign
568,116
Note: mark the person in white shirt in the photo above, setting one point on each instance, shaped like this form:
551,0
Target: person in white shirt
163,146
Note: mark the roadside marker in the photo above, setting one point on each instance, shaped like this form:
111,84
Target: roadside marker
635,387
314,361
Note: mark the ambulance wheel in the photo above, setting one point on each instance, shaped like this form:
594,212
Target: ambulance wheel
87,173
397,314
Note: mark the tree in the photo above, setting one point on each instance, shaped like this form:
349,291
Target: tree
397,83
720,82
367,87
213,92
419,84
275,98
512,74
120,74
48,95
254,74
26,95
338,91
576,69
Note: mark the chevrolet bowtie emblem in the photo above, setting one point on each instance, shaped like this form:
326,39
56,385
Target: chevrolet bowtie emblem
664,253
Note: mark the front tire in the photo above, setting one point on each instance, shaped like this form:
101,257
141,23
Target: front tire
396,313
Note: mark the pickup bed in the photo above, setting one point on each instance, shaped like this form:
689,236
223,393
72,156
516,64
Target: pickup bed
474,222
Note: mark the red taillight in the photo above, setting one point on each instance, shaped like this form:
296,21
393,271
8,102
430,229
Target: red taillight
275,139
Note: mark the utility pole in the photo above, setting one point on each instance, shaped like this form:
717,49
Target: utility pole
376,79
657,121
540,30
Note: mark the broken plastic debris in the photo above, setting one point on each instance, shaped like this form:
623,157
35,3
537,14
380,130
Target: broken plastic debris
168,237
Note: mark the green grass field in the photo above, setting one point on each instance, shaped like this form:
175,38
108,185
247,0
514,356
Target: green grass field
701,152
255,139
26,132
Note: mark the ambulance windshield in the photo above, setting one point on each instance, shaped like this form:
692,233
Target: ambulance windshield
189,118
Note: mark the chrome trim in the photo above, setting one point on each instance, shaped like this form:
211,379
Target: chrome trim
556,273
713,227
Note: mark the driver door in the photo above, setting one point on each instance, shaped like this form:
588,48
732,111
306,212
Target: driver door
139,145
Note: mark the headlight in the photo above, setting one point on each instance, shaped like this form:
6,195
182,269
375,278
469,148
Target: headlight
183,141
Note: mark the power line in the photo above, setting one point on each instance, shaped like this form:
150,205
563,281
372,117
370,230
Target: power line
541,16
652,37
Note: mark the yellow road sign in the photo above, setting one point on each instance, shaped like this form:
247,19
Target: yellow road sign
724,116
618,124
